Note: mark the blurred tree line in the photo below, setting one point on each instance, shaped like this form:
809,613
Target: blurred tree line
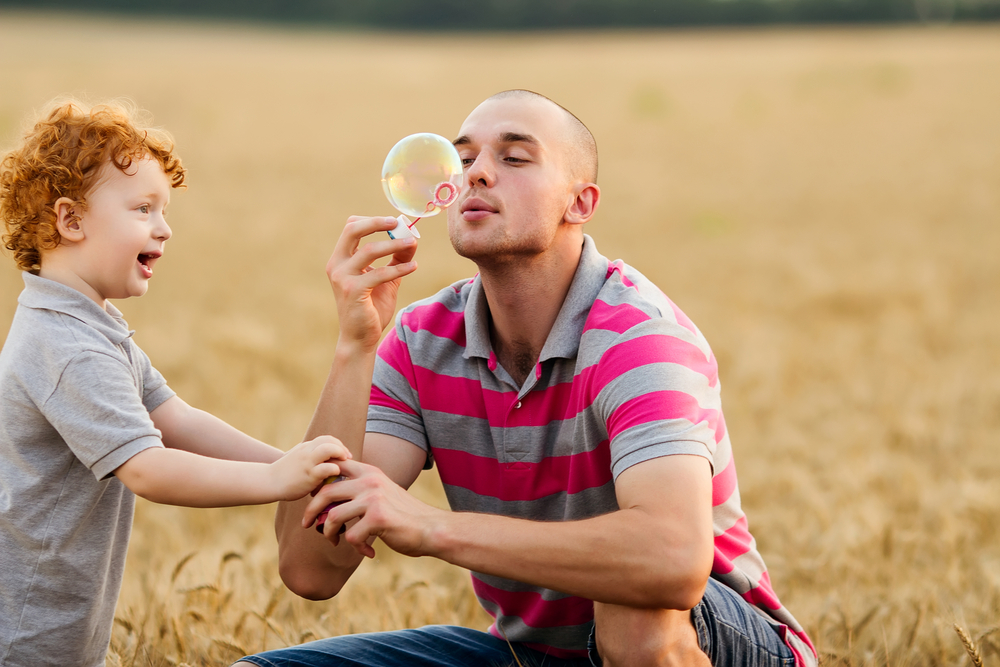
541,14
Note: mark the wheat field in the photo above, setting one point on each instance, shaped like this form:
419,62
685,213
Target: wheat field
823,203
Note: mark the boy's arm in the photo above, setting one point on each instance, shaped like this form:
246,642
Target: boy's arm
193,430
177,477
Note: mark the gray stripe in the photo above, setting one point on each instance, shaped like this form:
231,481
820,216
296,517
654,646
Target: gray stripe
529,444
660,377
559,506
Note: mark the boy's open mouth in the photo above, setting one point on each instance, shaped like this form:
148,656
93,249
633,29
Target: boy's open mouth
146,260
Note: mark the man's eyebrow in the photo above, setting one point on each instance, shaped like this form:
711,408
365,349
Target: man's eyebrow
505,138
515,138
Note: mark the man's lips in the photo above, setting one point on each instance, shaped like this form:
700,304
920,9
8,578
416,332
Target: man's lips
474,209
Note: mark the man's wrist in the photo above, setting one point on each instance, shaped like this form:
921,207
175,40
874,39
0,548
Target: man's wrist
354,349
439,535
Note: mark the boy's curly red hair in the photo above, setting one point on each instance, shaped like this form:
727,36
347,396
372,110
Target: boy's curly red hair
61,156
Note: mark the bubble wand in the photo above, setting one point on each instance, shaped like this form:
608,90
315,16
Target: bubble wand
421,177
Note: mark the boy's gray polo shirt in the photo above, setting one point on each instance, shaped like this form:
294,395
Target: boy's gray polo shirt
75,398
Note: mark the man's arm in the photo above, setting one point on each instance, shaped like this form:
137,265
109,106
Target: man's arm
655,552
366,298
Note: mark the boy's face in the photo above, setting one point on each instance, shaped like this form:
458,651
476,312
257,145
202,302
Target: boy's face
124,229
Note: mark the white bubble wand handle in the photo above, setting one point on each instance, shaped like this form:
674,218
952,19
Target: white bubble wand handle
404,229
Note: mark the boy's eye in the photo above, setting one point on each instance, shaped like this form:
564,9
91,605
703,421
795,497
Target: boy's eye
144,209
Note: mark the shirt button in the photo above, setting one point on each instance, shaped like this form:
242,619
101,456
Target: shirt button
518,406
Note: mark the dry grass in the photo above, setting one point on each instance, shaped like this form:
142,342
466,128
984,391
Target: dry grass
823,203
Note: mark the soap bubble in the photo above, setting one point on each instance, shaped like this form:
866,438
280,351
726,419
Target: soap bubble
422,175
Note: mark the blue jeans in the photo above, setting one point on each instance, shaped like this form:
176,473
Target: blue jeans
729,631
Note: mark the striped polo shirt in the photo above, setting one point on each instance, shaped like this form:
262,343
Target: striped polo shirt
624,377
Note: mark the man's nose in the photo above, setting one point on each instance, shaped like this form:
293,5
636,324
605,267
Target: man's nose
482,171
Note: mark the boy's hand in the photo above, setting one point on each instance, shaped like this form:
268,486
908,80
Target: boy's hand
366,296
306,465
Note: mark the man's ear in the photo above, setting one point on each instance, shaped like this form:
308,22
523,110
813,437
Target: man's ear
586,197
68,219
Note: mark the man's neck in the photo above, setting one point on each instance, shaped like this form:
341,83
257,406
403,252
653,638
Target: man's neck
524,300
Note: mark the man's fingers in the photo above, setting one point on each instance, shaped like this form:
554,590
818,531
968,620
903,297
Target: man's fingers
358,227
384,274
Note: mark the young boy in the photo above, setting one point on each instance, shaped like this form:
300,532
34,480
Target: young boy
85,420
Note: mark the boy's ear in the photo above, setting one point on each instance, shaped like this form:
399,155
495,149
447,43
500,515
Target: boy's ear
68,219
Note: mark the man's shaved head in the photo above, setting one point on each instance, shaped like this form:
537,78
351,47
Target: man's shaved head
583,147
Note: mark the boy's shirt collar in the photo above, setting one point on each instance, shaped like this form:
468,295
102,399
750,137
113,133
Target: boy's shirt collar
44,294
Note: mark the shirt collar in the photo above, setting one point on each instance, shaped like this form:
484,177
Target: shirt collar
44,294
564,338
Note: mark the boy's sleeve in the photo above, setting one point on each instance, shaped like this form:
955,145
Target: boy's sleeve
97,409
154,386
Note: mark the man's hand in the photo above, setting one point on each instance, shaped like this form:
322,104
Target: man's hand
384,509
366,296
305,466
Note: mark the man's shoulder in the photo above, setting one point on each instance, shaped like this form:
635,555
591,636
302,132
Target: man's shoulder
628,299
454,297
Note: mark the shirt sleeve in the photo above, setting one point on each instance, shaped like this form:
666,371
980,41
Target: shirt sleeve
97,409
394,407
154,387
659,395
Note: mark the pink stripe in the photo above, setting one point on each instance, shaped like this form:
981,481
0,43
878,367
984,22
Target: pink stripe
468,398
734,542
379,398
653,349
618,267
456,395
762,595
724,483
393,352
799,658
619,318
535,611
682,319
435,318
524,481
663,405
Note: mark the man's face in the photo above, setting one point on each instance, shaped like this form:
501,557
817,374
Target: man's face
125,228
517,184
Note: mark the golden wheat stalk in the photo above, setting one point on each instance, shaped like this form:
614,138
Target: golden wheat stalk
970,646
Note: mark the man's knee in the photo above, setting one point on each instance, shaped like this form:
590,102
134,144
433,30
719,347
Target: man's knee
629,637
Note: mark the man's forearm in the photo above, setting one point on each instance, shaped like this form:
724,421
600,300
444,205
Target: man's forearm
626,557
342,410
309,565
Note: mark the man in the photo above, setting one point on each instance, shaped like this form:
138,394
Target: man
574,415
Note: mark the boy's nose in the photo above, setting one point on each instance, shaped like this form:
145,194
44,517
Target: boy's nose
163,231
